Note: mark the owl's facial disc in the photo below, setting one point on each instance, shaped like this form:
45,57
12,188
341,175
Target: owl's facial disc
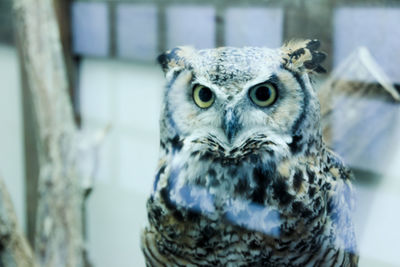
234,98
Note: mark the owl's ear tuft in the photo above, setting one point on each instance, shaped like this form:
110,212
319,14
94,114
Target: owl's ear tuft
176,58
302,56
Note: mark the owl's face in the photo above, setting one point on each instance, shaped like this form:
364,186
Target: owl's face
232,95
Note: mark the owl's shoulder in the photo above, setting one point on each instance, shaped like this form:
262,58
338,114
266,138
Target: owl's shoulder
336,167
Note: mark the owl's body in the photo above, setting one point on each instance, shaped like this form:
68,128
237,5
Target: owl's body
244,178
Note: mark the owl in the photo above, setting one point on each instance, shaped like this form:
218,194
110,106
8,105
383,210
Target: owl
244,177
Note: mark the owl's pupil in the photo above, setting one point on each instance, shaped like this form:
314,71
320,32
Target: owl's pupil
263,93
205,94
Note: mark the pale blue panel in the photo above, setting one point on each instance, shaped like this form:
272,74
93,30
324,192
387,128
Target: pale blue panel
90,28
137,162
254,27
12,156
190,25
137,31
366,131
95,83
376,28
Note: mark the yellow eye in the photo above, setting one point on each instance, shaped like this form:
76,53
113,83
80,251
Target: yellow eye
263,95
203,96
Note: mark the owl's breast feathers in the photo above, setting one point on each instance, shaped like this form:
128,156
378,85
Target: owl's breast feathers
242,208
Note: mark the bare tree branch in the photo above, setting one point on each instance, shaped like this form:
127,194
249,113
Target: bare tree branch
58,238
14,248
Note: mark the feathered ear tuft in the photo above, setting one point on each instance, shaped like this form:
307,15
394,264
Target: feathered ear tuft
302,56
176,58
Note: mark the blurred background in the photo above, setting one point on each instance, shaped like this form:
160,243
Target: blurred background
110,48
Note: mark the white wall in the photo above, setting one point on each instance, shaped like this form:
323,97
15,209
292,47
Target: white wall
11,130
127,96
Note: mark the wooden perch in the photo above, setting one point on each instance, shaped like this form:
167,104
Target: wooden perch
58,237
14,248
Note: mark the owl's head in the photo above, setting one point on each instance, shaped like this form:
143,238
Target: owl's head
227,97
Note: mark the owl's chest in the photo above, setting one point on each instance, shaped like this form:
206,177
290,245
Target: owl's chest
258,195
216,209
257,183
215,240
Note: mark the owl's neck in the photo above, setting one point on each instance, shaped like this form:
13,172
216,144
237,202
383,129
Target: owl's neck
307,145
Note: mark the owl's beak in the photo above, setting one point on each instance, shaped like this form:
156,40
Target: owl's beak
230,124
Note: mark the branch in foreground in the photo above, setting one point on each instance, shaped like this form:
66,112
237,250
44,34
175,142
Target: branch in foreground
14,248
58,237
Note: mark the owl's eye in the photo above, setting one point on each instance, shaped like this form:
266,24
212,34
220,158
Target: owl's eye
203,96
263,95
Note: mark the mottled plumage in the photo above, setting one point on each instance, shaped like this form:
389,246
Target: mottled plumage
244,178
